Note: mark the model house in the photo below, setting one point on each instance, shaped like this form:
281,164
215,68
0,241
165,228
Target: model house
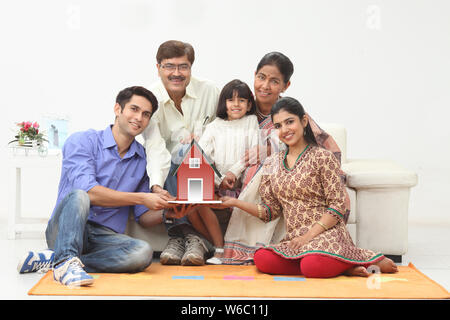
195,176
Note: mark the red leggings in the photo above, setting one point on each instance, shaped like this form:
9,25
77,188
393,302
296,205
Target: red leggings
312,266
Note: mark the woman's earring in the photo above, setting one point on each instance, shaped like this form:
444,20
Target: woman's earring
304,132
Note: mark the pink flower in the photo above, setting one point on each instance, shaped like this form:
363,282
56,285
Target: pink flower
29,130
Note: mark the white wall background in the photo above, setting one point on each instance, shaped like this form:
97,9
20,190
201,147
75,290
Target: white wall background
381,68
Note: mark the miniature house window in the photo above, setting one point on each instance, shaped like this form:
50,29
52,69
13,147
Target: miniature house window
194,163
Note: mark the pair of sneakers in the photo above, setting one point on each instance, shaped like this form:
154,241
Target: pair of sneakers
69,272
188,251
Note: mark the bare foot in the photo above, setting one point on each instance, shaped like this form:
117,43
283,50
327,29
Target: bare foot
387,266
358,271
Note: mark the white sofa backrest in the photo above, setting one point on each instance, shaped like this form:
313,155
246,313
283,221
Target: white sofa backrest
339,133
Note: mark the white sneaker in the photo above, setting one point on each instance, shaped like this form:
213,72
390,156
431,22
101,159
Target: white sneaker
71,273
33,261
215,259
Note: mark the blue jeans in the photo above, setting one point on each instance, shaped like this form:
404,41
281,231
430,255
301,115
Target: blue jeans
70,234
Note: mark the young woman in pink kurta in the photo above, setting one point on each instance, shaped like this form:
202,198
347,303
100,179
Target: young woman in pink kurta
304,184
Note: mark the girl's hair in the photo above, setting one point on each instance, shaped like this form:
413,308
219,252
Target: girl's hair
294,107
283,63
242,90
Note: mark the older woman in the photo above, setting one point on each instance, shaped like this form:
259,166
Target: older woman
303,183
245,233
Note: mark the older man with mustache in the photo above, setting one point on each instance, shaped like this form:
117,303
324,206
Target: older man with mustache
186,105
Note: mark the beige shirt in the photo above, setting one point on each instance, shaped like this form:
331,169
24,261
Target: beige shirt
168,126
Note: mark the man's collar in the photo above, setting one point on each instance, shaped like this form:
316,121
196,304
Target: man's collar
108,138
109,141
135,147
164,94
190,90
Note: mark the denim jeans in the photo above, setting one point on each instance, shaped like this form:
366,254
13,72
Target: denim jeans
70,234
175,227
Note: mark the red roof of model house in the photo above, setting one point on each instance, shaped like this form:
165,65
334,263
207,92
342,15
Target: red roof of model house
195,175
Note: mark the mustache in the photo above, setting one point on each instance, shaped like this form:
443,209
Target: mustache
177,78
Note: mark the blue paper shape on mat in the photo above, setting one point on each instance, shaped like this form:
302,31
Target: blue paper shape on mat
188,278
289,279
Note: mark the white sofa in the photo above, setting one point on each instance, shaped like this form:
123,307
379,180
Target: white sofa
379,195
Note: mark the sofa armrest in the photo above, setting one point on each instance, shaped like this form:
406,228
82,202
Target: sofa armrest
382,201
377,173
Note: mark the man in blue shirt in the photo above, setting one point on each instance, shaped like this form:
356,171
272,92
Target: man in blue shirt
103,177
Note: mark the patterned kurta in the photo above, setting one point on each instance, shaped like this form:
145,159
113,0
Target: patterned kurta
303,194
239,246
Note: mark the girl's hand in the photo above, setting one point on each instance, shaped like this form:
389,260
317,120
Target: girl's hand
188,139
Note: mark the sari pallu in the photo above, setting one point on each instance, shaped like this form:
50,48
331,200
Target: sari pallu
246,233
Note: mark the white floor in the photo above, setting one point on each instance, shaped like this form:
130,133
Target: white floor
429,251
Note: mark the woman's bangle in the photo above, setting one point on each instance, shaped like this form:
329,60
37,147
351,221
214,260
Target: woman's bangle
322,225
260,209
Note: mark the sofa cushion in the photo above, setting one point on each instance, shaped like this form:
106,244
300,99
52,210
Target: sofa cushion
377,174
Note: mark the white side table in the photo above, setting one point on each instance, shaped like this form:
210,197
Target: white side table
17,223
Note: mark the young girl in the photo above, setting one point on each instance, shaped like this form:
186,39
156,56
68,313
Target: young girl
225,141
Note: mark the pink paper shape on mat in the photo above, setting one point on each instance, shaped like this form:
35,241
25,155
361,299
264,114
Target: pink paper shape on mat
245,278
